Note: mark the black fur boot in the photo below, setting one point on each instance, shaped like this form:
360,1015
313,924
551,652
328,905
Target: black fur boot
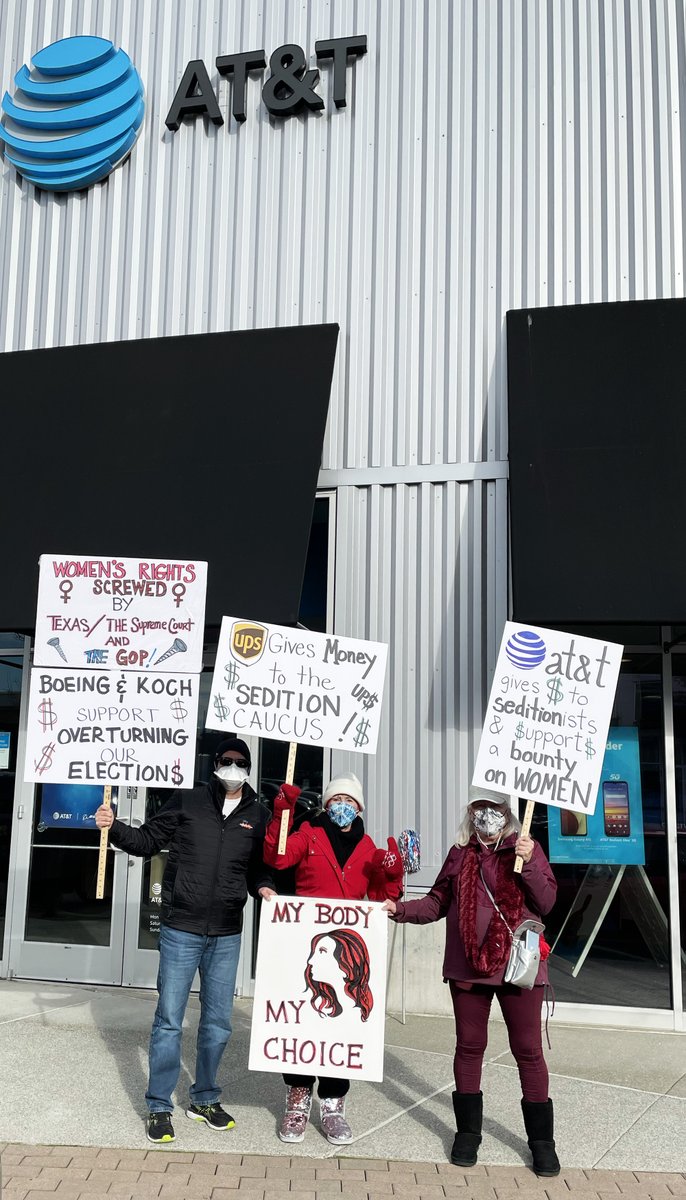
538,1122
469,1111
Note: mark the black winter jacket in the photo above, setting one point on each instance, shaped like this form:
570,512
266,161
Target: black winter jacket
213,861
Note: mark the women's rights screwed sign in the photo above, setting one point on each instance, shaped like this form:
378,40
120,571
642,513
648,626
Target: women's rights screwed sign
548,714
296,686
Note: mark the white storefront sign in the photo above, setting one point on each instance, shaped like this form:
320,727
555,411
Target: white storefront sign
120,613
320,988
297,686
111,727
548,715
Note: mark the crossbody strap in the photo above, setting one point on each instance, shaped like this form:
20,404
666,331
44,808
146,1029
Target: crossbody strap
491,897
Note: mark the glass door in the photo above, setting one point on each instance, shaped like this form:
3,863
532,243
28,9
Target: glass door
13,671
60,930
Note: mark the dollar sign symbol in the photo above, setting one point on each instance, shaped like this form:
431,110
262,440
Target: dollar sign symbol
555,692
45,761
590,749
370,701
176,775
519,731
47,715
496,725
178,710
231,675
220,708
361,728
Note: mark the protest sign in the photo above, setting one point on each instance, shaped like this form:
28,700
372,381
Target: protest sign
548,714
120,613
320,988
91,727
296,686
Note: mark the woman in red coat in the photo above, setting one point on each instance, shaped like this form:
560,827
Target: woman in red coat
333,858
476,953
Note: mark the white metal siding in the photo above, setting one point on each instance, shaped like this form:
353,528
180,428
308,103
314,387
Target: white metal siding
493,155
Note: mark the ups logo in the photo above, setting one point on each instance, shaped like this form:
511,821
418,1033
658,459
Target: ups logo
247,641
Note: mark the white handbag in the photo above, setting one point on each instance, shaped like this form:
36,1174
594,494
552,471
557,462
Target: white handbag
525,949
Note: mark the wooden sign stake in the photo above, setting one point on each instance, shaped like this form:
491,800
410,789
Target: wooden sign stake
102,856
526,826
290,772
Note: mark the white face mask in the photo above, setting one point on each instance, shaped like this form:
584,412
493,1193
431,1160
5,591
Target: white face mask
232,777
488,821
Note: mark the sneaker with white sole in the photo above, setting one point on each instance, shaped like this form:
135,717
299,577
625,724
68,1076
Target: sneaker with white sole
297,1114
212,1114
159,1128
334,1124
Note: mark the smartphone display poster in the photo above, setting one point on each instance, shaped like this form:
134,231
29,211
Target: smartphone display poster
613,833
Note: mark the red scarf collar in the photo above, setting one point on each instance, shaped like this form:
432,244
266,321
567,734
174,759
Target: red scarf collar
493,952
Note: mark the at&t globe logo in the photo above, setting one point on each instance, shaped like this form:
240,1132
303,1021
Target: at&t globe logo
74,116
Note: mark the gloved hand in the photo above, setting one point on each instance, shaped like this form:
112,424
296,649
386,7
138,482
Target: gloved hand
388,861
285,798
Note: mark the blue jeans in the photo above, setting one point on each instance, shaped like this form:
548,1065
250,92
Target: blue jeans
181,954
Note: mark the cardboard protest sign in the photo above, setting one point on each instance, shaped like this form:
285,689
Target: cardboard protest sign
548,714
102,727
296,686
320,988
120,613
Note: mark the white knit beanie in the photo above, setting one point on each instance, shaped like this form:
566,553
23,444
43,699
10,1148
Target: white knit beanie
344,785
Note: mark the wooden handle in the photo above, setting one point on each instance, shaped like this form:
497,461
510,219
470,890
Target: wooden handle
526,826
102,855
290,772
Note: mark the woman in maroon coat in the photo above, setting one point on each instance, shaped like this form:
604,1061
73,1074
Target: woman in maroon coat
476,953
333,858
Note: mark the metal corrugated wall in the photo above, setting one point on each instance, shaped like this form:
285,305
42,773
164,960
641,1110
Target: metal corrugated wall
493,154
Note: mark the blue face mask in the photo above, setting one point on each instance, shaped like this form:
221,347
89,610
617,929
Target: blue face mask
342,812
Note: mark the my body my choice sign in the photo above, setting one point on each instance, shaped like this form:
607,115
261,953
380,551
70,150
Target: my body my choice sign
548,715
296,686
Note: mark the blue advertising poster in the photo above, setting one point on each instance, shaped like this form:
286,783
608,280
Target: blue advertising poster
613,834
69,805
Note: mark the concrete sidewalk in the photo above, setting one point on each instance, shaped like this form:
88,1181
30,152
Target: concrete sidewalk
73,1063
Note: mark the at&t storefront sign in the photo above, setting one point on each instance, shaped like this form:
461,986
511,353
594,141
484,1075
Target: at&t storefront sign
76,113
74,116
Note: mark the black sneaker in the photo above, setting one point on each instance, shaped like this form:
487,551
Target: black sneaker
159,1127
212,1114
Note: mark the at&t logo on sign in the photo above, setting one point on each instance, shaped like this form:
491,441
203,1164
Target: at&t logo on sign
74,116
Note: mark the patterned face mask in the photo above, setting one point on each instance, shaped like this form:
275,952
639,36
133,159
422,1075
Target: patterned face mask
342,812
488,821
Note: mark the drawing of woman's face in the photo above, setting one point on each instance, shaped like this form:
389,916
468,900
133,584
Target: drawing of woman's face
323,965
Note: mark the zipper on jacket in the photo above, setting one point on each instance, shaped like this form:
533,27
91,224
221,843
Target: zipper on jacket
216,874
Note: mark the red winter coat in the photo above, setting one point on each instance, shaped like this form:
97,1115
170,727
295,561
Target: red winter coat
539,891
317,872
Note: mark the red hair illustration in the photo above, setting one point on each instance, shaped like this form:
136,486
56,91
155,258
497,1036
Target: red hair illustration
352,964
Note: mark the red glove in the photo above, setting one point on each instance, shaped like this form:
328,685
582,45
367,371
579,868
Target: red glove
286,797
545,949
389,861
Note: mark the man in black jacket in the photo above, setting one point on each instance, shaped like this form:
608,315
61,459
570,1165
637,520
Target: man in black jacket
215,834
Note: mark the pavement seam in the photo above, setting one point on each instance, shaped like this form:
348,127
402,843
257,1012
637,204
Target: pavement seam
622,1087
389,1120
628,1129
44,1012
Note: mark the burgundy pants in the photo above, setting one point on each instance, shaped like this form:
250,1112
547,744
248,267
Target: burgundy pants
521,1009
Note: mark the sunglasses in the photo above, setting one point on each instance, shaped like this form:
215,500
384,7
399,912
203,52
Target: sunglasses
235,762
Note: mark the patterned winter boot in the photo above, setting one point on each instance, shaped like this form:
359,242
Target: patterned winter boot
334,1124
297,1114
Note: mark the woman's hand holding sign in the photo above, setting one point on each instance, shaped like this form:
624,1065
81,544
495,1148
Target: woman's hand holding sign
524,847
